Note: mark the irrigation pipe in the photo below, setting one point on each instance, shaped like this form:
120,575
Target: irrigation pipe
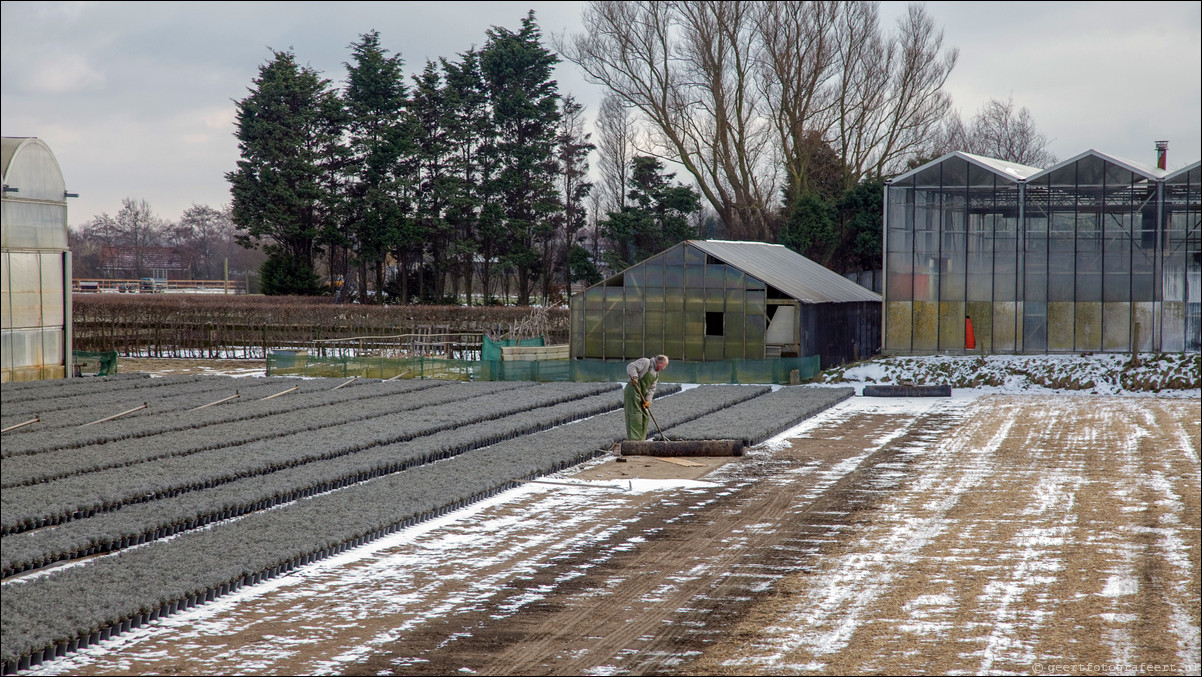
235,396
285,392
352,380
35,419
399,375
109,418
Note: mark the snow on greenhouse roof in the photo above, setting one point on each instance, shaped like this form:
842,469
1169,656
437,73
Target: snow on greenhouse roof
1180,173
1009,170
1146,171
788,271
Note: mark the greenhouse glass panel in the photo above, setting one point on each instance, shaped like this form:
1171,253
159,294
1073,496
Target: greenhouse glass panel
1089,326
53,310
756,303
1005,327
694,302
925,336
955,172
653,333
1005,269
674,299
1143,325
654,300
898,315
1061,332
1116,327
635,278
715,300
655,273
899,279
951,325
52,346
594,299
694,343
694,277
5,320
692,256
715,276
754,284
715,348
674,257
674,276
1035,326
753,344
25,273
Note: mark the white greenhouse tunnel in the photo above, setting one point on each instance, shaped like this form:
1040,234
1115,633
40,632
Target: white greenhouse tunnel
35,270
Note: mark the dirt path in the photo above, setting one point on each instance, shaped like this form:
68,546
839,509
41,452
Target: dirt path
985,535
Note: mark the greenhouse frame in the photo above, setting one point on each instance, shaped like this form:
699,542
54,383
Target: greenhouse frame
35,265
715,300
1095,254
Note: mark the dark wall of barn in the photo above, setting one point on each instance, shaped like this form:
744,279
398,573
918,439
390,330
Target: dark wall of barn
841,332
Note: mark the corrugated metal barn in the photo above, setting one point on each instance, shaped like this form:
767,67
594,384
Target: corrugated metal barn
709,300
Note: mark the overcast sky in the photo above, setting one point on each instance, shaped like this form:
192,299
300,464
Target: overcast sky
136,99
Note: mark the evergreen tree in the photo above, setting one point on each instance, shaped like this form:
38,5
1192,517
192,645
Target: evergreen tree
432,147
810,228
375,99
656,215
469,167
525,104
286,129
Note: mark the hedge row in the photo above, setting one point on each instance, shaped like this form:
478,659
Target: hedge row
764,417
321,393
170,325
146,522
49,466
49,503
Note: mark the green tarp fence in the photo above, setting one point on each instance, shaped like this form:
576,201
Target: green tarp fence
491,352
724,371
88,363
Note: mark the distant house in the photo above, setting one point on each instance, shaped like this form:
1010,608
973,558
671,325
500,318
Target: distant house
160,263
711,300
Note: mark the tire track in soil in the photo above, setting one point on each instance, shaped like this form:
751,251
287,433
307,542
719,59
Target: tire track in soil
1079,545
653,607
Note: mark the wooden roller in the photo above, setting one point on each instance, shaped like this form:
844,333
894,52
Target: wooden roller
683,448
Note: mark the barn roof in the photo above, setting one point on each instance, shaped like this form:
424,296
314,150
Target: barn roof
786,270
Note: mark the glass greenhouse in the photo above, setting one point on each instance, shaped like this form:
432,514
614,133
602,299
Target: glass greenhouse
712,300
35,267
1093,254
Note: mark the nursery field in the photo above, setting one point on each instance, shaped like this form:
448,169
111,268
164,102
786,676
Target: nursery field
209,484
439,528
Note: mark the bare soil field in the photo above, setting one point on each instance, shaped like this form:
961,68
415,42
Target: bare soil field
996,534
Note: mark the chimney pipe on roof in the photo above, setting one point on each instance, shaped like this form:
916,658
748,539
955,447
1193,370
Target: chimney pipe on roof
1162,154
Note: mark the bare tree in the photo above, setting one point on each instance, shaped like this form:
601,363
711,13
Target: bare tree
997,131
735,91
891,96
796,69
204,231
688,68
615,147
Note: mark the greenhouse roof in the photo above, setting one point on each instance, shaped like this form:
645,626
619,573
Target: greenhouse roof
1183,172
786,270
1009,170
1146,171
